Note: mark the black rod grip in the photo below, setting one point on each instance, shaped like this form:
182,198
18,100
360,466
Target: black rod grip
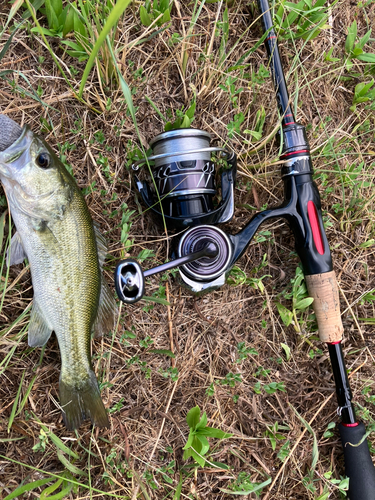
358,464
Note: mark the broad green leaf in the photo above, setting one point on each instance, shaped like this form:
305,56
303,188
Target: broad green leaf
366,57
215,433
197,445
323,496
186,122
79,27
192,418
304,303
203,422
285,314
166,17
69,21
57,7
205,445
200,460
362,42
145,18
350,39
190,440
52,16
286,350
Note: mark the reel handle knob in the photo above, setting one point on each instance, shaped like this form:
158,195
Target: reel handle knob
130,279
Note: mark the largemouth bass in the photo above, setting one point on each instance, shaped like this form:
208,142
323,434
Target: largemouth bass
66,252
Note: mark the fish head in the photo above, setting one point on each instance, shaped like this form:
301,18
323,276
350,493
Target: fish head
34,179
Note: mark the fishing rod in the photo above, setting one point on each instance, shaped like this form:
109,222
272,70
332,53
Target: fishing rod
319,276
184,177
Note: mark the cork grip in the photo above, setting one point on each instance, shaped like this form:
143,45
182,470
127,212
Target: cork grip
323,288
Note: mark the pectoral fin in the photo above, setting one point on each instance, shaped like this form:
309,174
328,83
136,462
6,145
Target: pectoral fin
100,245
17,253
107,311
39,331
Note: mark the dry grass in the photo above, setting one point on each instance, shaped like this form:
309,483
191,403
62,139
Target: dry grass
148,410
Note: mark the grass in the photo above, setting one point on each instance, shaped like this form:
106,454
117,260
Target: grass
248,354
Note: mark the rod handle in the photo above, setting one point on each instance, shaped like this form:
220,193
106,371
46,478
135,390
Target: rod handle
324,290
358,464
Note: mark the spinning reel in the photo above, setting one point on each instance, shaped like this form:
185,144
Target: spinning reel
184,177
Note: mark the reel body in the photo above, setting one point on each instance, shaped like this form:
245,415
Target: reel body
183,191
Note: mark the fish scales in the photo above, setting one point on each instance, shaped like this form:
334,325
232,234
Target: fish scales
56,233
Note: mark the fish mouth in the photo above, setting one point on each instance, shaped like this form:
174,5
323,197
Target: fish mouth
10,136
10,132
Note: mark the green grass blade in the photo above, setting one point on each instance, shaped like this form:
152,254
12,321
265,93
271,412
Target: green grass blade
15,404
46,492
315,451
24,399
27,487
72,468
8,42
57,441
53,475
113,17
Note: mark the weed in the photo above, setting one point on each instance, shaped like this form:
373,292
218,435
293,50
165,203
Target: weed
273,434
355,50
301,20
243,352
170,372
300,301
185,117
244,485
156,10
230,87
197,445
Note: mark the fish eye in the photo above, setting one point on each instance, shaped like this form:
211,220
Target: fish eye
43,160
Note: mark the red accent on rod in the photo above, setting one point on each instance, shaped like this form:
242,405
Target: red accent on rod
271,36
295,152
349,425
315,227
289,114
290,123
334,343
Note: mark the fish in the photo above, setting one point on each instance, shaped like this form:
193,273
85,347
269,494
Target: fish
66,252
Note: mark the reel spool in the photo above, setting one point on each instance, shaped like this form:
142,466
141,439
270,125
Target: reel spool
184,177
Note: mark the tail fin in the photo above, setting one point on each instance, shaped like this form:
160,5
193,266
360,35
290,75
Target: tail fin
82,400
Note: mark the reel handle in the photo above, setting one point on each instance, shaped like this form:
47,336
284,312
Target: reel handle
130,279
